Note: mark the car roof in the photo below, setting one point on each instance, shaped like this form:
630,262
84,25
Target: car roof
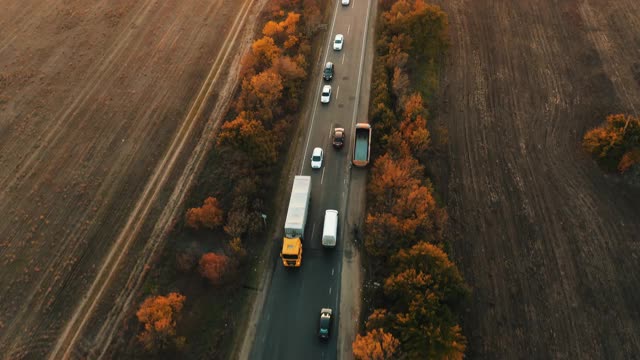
317,151
326,88
329,64
339,36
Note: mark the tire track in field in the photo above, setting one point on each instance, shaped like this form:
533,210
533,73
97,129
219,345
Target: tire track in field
66,344
542,246
28,314
99,75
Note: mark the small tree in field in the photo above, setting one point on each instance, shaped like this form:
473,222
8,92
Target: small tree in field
208,215
214,267
158,315
615,144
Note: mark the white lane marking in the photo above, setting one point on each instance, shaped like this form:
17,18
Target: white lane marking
337,92
313,230
348,29
322,178
332,270
329,291
343,58
315,103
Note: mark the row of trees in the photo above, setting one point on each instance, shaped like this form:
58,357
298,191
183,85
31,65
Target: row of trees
616,143
422,293
249,143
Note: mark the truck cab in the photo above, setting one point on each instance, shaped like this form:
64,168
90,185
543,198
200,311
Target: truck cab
291,252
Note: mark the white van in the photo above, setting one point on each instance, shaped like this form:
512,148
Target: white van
330,231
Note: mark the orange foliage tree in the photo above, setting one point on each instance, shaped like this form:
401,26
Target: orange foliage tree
425,291
259,96
158,315
375,345
214,267
265,52
432,260
209,215
616,144
284,33
250,137
427,25
405,210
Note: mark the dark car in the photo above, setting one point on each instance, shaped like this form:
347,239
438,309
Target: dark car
328,71
324,325
338,138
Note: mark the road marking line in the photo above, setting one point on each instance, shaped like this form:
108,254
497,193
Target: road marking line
343,58
329,291
337,92
322,177
348,29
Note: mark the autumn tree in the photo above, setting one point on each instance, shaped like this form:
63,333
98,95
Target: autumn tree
629,159
431,259
425,292
616,144
375,345
265,52
289,69
209,215
158,315
214,267
400,83
238,222
379,319
238,250
284,33
250,137
397,51
260,96
390,178
427,25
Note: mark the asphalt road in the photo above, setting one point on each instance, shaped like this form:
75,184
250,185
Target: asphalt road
287,328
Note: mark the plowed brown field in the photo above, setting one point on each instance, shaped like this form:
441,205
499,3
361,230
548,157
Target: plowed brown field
106,108
550,244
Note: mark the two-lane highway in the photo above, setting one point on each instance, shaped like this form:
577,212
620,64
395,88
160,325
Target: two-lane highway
288,325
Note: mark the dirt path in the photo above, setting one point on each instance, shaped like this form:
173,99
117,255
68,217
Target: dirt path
550,245
99,115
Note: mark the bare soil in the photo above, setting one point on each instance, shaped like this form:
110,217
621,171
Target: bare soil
549,244
102,116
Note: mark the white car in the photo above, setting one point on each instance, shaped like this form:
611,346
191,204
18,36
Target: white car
337,43
345,2
325,96
316,158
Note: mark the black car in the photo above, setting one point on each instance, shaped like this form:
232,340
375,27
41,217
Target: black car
328,71
338,138
324,325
